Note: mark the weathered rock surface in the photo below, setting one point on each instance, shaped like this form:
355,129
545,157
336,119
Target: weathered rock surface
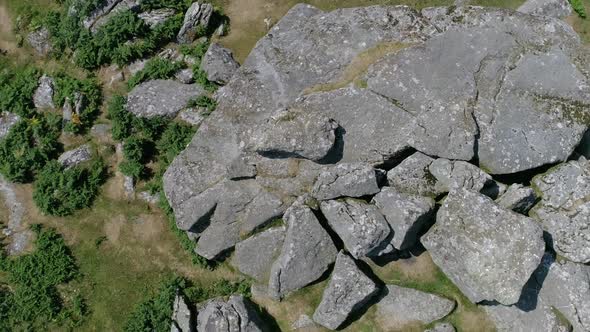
7,121
193,116
458,174
361,226
517,198
40,41
407,214
401,306
182,318
76,107
106,10
185,76
413,176
197,16
295,134
347,179
255,255
487,251
156,16
161,98
306,254
43,97
564,209
553,8
219,64
75,157
348,291
235,315
442,327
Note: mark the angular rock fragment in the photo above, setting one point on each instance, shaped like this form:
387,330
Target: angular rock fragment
295,134
306,254
237,314
564,209
196,17
43,97
487,251
40,41
517,198
182,318
348,291
458,174
7,121
185,76
161,98
402,306
413,176
346,179
407,214
75,157
255,255
361,226
219,64
156,16
553,8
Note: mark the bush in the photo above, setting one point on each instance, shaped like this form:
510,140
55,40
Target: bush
134,152
196,52
30,144
156,68
61,192
203,101
201,77
579,8
17,86
66,87
122,121
32,300
180,5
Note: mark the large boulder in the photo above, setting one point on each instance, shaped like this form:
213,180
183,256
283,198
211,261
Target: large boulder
182,318
75,157
161,98
403,306
40,41
7,121
237,314
43,97
487,251
306,254
553,8
255,255
564,209
361,226
196,17
346,179
219,64
347,292
407,214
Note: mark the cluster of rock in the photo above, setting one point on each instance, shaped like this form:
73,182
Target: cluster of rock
354,162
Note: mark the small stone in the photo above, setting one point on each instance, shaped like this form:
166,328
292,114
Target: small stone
43,97
40,41
148,197
75,157
129,186
185,76
7,121
346,179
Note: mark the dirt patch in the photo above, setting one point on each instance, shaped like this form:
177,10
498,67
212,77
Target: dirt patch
7,42
419,268
112,229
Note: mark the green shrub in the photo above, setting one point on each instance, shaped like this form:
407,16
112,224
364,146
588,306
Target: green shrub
174,139
61,192
201,78
122,121
134,152
197,51
180,5
32,300
579,8
156,68
203,101
66,87
17,86
30,144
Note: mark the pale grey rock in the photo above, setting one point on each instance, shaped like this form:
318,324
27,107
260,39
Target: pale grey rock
442,327
19,236
75,157
193,116
241,169
40,41
302,323
297,134
7,121
306,254
517,198
413,176
76,107
43,97
129,186
458,174
197,16
236,315
346,179
255,255
148,197
401,306
564,208
185,76
219,64
161,98
361,226
487,251
104,12
553,8
407,214
182,318
348,291
156,16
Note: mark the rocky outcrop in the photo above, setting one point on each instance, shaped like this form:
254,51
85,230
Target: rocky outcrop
458,174
156,16
402,306
413,176
43,97
75,157
564,208
407,214
219,64
196,17
235,315
553,8
348,291
361,226
517,198
347,179
106,10
7,121
182,318
161,98
40,41
255,255
474,244
306,254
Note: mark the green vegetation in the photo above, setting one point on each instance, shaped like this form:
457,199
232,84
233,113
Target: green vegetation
60,191
156,68
205,102
17,86
134,152
31,300
579,8
66,88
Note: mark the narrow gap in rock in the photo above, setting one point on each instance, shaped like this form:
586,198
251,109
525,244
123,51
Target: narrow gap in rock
523,177
324,223
391,162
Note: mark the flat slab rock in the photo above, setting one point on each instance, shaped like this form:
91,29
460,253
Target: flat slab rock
349,290
255,255
487,251
402,306
161,98
75,157
346,179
